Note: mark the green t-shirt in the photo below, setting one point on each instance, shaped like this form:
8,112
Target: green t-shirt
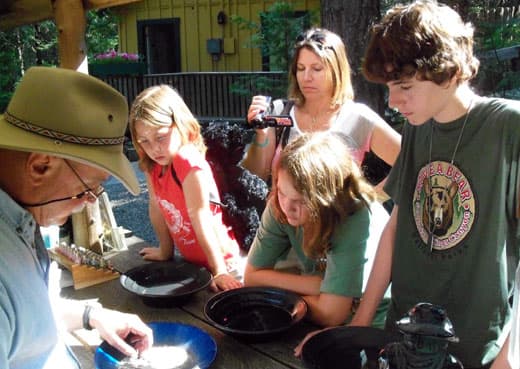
471,267
348,261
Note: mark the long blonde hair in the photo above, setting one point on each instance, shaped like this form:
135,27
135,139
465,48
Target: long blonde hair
162,106
324,172
331,49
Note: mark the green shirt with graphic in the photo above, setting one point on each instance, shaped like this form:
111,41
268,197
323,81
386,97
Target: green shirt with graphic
457,239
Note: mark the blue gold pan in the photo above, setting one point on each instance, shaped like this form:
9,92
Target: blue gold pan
191,348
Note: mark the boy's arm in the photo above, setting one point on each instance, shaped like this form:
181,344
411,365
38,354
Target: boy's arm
501,361
385,142
301,284
325,309
328,310
380,276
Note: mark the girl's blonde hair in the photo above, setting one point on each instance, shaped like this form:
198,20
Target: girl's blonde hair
324,172
331,49
161,106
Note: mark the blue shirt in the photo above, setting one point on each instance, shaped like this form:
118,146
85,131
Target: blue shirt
29,337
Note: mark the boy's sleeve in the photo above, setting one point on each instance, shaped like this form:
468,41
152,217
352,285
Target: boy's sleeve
346,258
393,180
271,242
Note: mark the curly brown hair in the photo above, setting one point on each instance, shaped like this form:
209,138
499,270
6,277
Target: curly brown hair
423,39
324,172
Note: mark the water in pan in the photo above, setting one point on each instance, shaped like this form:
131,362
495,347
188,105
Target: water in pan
257,319
161,357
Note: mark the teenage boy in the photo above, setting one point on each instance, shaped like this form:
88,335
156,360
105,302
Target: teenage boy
453,235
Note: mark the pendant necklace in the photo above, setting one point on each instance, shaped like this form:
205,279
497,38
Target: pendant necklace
431,223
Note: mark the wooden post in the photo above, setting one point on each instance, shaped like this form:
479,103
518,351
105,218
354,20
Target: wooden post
70,17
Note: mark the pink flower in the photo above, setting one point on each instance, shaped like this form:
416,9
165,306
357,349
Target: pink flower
113,56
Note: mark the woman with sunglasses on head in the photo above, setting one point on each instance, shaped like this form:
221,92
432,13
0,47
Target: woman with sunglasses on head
321,95
323,211
184,200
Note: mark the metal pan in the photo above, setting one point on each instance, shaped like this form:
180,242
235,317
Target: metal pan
255,313
166,283
346,347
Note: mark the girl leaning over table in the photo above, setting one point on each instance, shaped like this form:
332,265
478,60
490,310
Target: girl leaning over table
183,194
320,229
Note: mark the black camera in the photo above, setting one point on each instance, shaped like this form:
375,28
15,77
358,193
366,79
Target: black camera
265,119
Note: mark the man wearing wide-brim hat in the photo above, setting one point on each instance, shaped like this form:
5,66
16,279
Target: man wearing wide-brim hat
60,138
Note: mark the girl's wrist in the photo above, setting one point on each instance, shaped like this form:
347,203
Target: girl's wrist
217,275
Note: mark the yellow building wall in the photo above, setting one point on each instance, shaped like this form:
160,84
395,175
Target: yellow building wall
198,23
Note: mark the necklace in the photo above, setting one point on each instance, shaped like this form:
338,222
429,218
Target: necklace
314,118
432,222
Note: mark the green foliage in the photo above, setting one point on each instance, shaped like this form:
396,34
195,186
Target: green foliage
101,34
496,76
8,70
496,36
274,35
37,44
24,47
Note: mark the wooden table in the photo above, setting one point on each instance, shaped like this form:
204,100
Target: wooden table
232,353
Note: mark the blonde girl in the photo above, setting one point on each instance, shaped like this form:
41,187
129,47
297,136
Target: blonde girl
181,186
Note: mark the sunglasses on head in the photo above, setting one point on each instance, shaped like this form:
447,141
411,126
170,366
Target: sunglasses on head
317,38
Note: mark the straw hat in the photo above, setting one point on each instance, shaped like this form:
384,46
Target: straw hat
71,115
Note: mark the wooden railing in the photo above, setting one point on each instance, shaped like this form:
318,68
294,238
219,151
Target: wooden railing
209,95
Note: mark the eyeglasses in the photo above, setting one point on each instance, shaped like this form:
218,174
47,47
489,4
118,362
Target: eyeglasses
89,194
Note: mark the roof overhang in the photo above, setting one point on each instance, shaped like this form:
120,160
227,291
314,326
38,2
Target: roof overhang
14,13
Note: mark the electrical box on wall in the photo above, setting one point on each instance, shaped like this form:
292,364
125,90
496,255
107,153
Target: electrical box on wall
214,46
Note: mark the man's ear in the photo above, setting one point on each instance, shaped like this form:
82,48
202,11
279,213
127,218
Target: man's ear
40,167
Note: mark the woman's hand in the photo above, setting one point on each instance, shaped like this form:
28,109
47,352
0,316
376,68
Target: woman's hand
153,254
116,327
224,282
258,105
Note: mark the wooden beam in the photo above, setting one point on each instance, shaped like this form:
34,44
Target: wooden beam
20,12
14,13
99,4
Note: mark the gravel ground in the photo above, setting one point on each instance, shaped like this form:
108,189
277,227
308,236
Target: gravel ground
131,212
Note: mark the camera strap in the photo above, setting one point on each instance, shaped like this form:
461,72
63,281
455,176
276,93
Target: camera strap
282,133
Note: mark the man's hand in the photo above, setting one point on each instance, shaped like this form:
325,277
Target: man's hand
116,327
